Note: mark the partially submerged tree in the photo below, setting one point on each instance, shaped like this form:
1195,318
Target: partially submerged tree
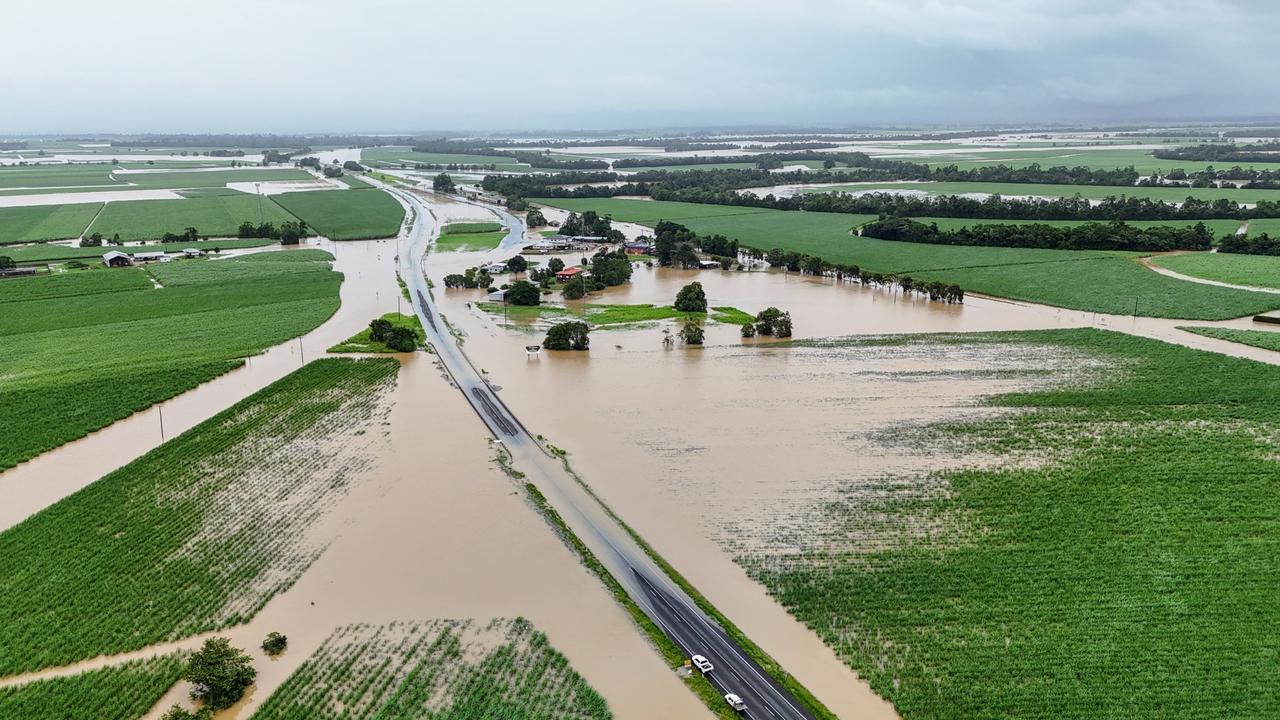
443,183
691,298
220,673
517,264
535,218
571,335
275,644
772,321
692,332
523,292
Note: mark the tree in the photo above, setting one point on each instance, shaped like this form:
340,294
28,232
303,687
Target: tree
748,330
177,712
692,332
610,268
220,673
575,289
401,339
517,264
555,265
570,335
379,329
443,184
691,299
353,166
685,257
535,218
274,644
455,280
523,292
7,263
828,164
772,321
94,240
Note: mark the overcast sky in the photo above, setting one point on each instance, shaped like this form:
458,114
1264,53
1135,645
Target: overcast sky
404,65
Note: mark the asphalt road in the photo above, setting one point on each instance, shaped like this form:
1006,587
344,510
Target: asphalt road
647,585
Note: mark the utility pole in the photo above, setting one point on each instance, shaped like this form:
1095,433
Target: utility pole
257,190
160,408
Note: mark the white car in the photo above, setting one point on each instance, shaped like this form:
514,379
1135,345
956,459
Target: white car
703,664
735,702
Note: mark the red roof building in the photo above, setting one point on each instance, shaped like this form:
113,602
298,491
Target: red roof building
568,273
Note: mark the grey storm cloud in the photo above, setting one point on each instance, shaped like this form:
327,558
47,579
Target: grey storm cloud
401,65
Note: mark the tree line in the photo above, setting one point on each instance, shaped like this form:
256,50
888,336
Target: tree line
1262,244
1089,236
1256,152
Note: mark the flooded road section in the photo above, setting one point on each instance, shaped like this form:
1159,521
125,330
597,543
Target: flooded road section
368,290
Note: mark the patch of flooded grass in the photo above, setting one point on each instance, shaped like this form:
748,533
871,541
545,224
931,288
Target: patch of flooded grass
195,535
445,669
1116,558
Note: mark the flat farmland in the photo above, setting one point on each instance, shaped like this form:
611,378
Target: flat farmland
195,524
346,214
211,178
1096,281
1117,558
47,253
111,340
218,215
122,691
45,222
1251,270
55,176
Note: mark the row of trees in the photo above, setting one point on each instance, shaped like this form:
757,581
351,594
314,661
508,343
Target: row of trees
674,245
1262,244
1089,236
1214,152
591,224
289,232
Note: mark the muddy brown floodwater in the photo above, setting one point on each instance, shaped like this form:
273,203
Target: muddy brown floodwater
368,290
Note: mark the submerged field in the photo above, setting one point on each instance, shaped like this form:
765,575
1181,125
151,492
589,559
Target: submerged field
444,670
1096,281
198,526
1116,557
45,222
84,349
346,214
213,216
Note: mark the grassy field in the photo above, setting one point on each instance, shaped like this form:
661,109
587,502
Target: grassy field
1094,281
45,222
443,670
346,214
361,342
120,692
601,315
45,253
195,525
1096,192
451,242
1270,226
353,181
1252,270
1256,338
56,176
219,178
1217,227
457,228
218,215
1118,560
108,339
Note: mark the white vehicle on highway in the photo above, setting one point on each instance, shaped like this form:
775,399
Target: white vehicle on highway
703,664
735,702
